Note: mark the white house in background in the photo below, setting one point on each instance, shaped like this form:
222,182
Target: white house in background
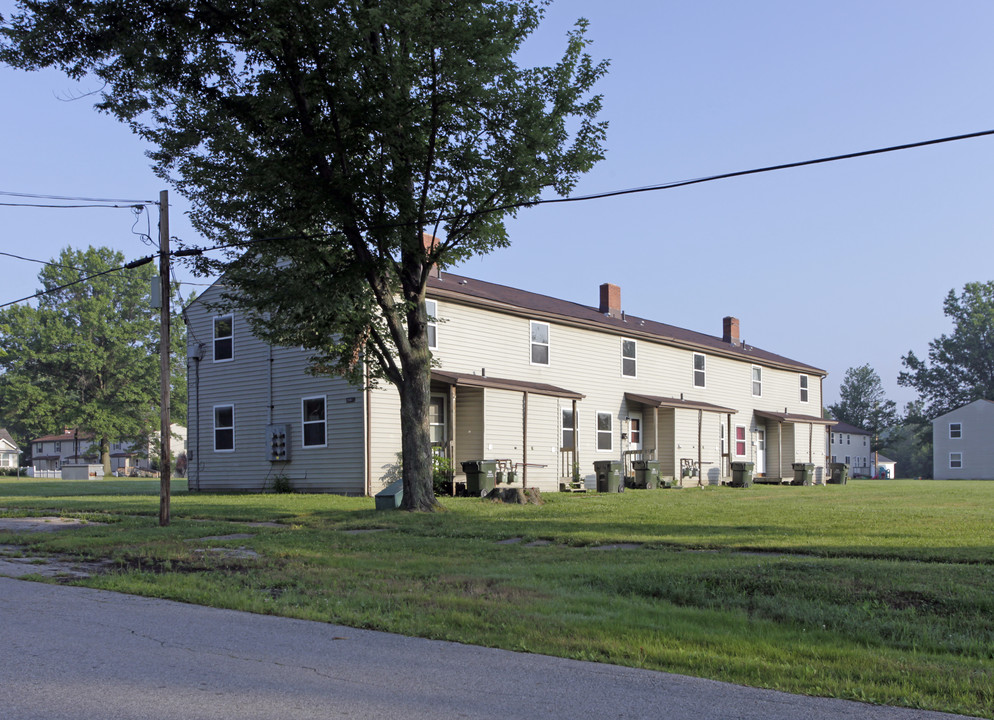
50,452
9,452
548,385
851,445
963,443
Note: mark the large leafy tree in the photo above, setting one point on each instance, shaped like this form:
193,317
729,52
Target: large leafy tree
87,355
864,403
960,366
322,138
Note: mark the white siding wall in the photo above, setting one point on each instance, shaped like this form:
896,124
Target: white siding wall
976,444
256,378
475,340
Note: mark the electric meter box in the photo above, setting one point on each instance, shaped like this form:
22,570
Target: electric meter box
278,437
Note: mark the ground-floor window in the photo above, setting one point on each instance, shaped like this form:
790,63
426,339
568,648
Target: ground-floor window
569,439
313,420
740,441
605,431
224,428
956,460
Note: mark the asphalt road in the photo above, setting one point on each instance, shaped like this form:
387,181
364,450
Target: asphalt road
74,653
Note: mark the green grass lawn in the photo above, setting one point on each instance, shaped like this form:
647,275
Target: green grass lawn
880,591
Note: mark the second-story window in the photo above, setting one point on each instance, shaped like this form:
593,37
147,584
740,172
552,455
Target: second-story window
540,343
58,446
757,381
629,367
224,346
804,388
955,431
699,370
432,309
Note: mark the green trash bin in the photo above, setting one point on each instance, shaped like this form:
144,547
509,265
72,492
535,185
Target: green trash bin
839,473
742,473
608,474
804,473
646,473
480,476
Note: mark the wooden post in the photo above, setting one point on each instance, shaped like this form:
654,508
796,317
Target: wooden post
452,436
165,457
780,451
700,450
524,440
575,470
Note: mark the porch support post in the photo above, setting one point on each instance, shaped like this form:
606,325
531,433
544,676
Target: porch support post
655,423
576,446
780,451
524,440
700,450
452,436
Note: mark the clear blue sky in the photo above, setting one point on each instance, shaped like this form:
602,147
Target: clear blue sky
835,265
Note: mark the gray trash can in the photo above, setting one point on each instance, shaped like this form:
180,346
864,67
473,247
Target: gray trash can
742,473
803,473
840,474
646,473
609,476
480,476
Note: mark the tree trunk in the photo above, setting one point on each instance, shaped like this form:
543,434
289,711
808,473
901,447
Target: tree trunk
105,455
415,396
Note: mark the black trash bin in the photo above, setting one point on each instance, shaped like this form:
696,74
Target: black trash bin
742,473
803,473
840,473
480,476
646,473
609,475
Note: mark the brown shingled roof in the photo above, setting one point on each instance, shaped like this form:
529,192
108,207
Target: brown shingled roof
501,297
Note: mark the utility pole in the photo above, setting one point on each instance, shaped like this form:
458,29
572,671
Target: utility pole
165,456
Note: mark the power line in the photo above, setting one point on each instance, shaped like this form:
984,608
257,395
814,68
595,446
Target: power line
40,262
126,266
629,191
69,198
67,207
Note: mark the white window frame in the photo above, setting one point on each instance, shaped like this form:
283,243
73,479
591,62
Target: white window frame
744,441
217,427
230,338
532,344
956,457
757,370
304,422
803,380
563,428
703,371
445,412
959,431
598,432
633,359
431,308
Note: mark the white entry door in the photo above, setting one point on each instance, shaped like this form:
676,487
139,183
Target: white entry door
634,431
760,452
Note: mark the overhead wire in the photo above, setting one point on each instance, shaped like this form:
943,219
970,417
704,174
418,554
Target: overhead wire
510,206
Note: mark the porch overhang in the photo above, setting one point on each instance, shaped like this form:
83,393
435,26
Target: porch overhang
664,402
484,381
793,418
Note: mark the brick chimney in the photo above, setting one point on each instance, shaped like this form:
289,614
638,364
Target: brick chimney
429,241
611,300
730,330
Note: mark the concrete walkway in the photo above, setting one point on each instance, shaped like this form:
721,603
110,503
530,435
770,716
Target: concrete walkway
74,653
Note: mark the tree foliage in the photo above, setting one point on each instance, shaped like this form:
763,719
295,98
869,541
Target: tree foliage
87,356
322,138
863,402
960,366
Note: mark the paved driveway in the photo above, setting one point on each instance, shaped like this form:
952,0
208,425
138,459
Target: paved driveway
74,653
